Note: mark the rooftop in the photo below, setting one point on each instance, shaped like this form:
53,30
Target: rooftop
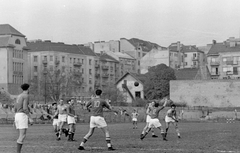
146,45
6,29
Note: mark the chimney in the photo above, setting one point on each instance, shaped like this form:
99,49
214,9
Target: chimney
214,42
178,46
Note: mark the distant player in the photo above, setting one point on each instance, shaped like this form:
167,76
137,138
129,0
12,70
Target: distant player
148,117
171,117
22,115
71,120
97,121
154,121
62,118
134,118
54,112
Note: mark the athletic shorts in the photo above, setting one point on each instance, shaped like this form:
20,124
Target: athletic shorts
55,122
62,117
134,119
97,121
71,120
21,121
148,118
169,119
154,123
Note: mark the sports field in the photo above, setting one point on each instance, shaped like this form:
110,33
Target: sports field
203,137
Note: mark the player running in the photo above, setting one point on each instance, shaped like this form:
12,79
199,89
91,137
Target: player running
148,117
71,120
62,118
134,118
154,121
22,115
97,104
171,117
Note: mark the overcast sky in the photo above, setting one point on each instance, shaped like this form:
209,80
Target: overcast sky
192,22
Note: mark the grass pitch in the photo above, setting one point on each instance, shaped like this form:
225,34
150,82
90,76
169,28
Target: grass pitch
203,137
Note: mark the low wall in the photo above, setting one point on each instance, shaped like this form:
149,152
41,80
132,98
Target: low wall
212,93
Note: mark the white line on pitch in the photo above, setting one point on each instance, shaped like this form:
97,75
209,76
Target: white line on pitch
159,149
28,146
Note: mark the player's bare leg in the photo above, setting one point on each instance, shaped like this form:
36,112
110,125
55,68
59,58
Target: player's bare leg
22,135
85,138
167,127
162,133
108,139
177,130
145,132
152,130
71,132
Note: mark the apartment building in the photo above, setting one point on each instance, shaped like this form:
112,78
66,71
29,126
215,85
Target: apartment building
13,59
224,59
71,60
106,70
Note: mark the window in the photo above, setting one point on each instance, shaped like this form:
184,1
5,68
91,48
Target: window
35,58
90,71
185,55
74,60
17,41
90,81
185,63
63,59
35,69
194,55
82,61
63,68
45,58
82,71
138,62
139,54
70,60
51,58
90,62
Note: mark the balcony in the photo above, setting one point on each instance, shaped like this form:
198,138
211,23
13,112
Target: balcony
77,64
105,75
215,74
57,62
79,74
195,58
214,63
97,75
104,83
44,62
105,67
96,65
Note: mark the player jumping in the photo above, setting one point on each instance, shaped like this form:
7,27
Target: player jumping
171,117
97,104
154,121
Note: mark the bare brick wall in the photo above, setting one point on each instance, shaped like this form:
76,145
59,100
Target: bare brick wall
213,93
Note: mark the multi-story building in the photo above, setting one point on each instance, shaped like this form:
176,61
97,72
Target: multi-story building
192,57
13,59
105,70
137,49
71,60
224,59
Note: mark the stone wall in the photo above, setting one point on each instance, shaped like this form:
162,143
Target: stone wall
213,93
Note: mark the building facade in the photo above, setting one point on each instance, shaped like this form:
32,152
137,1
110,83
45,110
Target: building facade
13,59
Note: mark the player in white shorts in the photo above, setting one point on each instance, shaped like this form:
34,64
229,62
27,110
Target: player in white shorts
97,120
154,121
148,117
56,123
171,117
134,118
71,120
62,118
22,115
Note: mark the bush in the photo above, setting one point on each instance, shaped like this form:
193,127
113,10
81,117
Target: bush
139,102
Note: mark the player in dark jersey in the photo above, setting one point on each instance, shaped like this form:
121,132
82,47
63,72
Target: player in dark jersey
154,121
71,120
97,104
22,115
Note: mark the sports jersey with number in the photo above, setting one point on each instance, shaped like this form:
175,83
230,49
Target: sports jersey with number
171,113
97,106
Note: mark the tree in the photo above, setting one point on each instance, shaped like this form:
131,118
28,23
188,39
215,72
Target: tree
156,84
113,94
56,84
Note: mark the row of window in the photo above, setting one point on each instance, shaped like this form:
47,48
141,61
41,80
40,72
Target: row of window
17,54
17,66
17,79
